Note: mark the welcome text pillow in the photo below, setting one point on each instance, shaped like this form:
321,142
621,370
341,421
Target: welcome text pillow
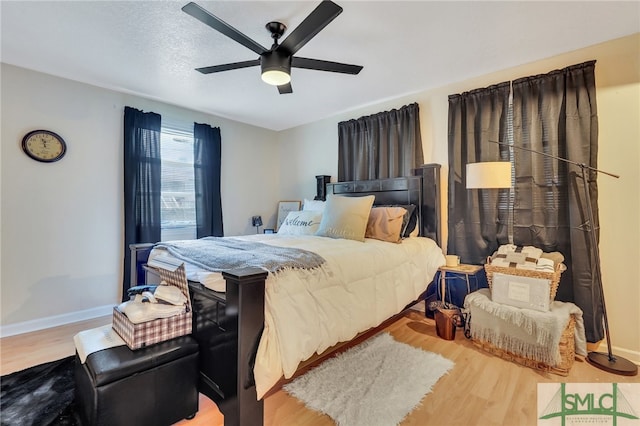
304,222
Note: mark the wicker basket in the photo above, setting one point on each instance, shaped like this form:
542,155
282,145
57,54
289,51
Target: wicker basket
553,277
566,345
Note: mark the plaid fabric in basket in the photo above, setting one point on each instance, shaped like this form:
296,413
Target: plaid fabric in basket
148,333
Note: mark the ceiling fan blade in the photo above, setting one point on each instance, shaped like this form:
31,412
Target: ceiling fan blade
285,88
312,24
218,24
227,67
316,64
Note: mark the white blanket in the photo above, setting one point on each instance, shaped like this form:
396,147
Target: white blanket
96,339
542,264
529,251
525,332
138,312
360,285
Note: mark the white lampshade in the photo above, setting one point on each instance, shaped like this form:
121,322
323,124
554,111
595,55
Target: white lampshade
490,174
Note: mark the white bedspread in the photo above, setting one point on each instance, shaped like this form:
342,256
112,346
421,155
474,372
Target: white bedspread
359,286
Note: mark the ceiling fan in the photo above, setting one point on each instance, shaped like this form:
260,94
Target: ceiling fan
276,62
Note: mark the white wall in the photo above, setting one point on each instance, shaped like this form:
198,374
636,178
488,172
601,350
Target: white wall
312,150
62,226
618,97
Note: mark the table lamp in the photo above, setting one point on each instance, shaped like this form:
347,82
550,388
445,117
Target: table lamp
257,222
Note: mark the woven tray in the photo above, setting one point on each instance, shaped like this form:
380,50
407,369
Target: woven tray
553,277
567,347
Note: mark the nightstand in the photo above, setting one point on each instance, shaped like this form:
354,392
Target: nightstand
459,278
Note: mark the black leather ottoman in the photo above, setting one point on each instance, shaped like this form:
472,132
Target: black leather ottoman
157,385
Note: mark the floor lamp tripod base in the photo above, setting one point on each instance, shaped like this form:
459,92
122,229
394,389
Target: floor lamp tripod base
612,364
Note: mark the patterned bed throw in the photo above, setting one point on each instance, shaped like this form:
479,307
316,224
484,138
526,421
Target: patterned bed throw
224,253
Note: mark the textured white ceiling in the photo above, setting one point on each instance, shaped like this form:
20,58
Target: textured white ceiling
150,48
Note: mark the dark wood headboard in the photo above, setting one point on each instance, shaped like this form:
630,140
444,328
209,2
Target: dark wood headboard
422,190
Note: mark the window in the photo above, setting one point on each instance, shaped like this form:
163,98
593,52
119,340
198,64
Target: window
507,207
177,201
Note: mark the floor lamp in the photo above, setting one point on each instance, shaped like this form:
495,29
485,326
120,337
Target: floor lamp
605,361
490,175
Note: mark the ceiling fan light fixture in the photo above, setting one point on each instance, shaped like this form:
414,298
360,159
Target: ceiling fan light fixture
276,68
275,77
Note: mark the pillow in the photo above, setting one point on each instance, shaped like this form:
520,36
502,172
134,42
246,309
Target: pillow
313,205
345,217
300,223
385,223
409,221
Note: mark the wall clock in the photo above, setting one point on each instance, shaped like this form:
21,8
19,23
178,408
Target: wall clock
44,145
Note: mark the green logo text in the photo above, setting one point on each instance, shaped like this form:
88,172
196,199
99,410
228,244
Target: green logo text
565,404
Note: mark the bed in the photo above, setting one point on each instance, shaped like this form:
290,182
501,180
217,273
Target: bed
256,327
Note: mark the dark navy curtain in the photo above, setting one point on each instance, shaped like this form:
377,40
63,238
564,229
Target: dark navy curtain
207,159
141,183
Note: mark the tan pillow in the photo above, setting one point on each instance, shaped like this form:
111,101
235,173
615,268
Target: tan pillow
385,223
345,217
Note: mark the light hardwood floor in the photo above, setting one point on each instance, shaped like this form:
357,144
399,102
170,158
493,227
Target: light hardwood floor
480,390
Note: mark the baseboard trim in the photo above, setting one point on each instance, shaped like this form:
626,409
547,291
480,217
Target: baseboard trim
54,321
630,355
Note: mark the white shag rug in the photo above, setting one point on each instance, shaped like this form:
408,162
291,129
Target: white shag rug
376,383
